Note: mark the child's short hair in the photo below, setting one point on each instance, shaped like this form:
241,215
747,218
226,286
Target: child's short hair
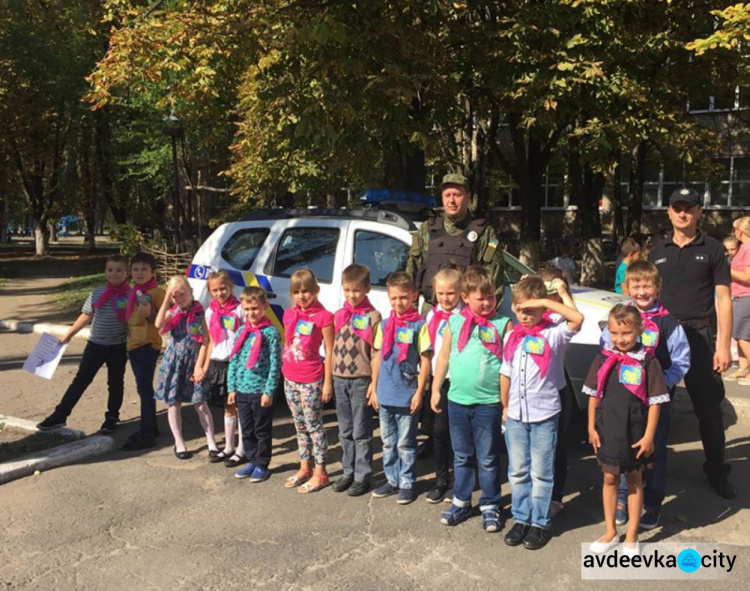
220,274
180,279
118,258
144,257
529,288
629,246
476,278
643,271
450,275
254,294
401,280
549,274
356,274
303,279
624,314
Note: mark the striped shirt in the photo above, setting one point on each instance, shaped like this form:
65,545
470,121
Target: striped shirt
106,328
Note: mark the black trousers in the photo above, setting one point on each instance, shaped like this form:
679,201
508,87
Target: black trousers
94,356
706,390
257,428
441,439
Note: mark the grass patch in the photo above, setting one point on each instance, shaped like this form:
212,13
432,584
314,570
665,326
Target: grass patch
73,293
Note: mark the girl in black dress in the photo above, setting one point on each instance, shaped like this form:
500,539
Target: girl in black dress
626,386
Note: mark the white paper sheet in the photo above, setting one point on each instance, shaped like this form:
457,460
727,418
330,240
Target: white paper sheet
44,358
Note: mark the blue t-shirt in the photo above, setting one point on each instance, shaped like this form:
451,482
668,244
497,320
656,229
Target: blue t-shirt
397,382
620,276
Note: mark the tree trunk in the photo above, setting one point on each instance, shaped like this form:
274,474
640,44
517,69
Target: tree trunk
103,143
635,194
592,265
618,220
41,238
531,179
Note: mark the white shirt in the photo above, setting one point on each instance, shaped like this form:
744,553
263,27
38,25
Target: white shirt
223,349
438,344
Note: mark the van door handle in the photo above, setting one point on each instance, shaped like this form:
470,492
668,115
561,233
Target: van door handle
270,295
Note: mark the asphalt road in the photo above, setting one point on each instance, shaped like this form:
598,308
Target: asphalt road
150,521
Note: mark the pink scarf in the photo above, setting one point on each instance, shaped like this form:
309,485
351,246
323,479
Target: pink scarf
176,314
392,325
613,358
216,327
137,291
438,315
348,311
293,315
650,336
492,343
519,334
118,295
257,342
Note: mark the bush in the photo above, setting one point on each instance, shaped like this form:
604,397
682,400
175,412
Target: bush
130,237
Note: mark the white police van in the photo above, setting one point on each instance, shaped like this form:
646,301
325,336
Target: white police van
266,247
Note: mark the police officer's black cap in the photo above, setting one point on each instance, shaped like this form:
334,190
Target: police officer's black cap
686,195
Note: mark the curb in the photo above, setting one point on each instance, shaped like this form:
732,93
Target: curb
42,327
31,426
69,453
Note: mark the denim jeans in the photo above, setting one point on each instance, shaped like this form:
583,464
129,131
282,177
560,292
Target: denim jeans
355,426
531,469
398,430
475,435
94,356
257,428
143,363
655,478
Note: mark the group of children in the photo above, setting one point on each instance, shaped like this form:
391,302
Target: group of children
489,377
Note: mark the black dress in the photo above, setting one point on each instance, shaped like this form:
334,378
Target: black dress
621,417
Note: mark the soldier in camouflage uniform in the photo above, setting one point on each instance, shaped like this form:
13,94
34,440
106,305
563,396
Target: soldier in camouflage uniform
454,238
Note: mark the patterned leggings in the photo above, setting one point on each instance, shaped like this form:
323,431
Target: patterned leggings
307,411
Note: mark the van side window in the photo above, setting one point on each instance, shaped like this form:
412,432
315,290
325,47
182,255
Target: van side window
307,248
242,248
382,254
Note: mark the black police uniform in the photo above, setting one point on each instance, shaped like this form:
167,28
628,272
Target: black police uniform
689,277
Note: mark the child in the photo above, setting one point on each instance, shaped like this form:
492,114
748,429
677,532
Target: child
307,380
400,375
558,290
664,338
531,406
627,387
224,318
144,344
181,371
565,263
446,287
105,308
731,245
254,372
472,346
352,379
630,251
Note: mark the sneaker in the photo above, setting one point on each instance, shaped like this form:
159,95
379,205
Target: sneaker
259,474
342,483
437,494
621,515
359,488
555,508
455,514
406,496
51,422
649,518
491,522
108,426
246,472
384,490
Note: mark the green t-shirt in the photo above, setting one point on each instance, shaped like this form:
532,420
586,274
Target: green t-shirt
620,277
475,372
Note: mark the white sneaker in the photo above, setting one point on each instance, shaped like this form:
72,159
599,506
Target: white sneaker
630,549
601,547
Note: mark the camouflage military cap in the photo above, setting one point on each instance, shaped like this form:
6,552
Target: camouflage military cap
454,179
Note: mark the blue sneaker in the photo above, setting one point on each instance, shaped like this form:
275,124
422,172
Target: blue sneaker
455,514
650,518
491,521
259,474
406,496
246,472
385,490
621,515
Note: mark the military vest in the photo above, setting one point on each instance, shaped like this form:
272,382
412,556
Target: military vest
445,250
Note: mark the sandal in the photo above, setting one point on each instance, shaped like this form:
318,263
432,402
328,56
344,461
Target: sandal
294,481
220,456
737,375
235,461
311,488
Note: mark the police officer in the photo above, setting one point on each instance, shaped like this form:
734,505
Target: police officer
694,270
454,238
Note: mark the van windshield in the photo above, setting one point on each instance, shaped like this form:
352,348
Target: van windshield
513,269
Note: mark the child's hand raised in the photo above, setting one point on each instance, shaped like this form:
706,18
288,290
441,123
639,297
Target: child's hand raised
559,286
646,447
594,440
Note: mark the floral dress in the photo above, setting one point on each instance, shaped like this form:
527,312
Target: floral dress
173,384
